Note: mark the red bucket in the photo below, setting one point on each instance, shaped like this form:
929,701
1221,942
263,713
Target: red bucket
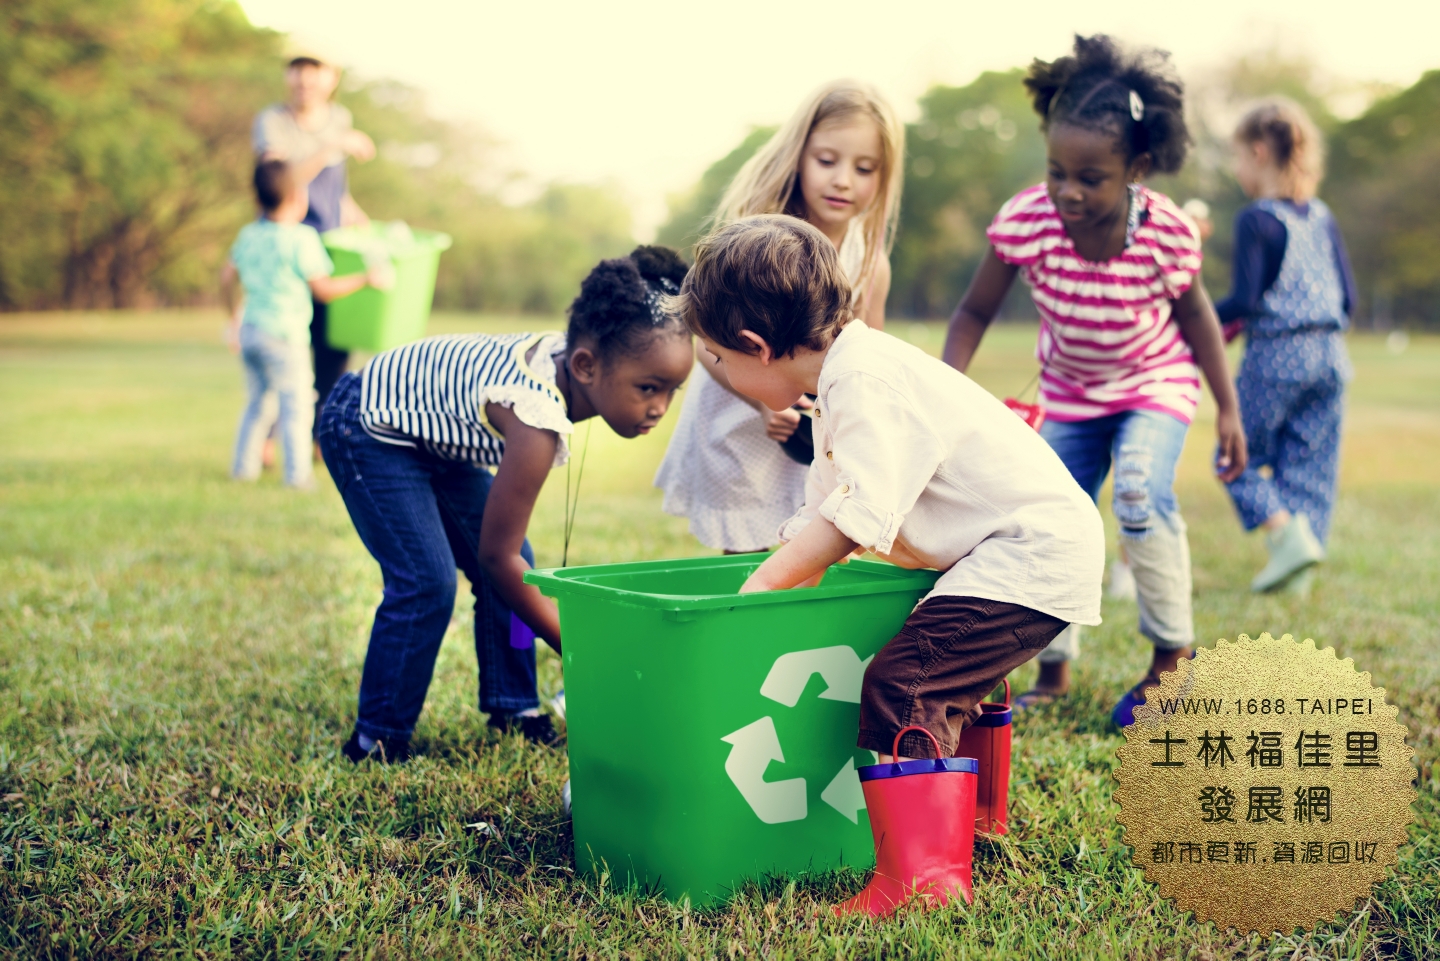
1032,414
988,741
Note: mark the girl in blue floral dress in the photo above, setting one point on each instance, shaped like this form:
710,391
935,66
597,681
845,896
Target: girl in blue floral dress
1292,296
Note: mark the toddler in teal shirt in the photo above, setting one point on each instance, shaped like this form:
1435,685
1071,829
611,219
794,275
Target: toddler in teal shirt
281,264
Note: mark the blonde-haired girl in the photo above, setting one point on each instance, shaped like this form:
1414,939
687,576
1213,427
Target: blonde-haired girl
1292,295
836,163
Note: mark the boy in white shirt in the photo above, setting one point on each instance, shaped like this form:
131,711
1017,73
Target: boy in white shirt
913,461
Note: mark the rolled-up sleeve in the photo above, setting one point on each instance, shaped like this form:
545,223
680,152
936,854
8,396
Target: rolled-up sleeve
884,455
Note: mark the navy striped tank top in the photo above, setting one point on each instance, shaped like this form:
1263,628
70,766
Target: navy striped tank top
432,393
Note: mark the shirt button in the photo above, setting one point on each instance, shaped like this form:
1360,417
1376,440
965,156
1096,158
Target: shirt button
830,455
817,412
845,489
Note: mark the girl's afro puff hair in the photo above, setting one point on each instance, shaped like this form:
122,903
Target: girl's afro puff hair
1102,86
620,302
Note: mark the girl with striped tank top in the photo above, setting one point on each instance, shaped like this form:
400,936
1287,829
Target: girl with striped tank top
1113,268
1292,296
411,441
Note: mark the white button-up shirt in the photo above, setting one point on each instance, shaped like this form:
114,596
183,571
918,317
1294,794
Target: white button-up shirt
917,462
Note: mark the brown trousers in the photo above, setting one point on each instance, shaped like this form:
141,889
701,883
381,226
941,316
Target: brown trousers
950,654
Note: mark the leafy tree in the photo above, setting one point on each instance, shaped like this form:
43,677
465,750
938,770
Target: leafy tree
973,147
528,257
125,157
1382,187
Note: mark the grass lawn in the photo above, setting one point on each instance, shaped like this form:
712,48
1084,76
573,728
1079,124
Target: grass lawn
179,657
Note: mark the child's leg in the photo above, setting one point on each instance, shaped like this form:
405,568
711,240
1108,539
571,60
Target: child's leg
295,389
950,654
1146,449
253,421
1084,449
507,664
329,362
386,489
1308,456
1264,407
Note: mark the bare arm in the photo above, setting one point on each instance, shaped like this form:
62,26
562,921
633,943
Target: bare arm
977,309
353,142
230,287
230,295
876,295
304,170
327,289
529,454
1201,329
350,213
802,561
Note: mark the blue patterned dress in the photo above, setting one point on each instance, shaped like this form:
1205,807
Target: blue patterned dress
1292,380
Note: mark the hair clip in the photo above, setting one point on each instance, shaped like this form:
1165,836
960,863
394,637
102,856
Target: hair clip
1137,107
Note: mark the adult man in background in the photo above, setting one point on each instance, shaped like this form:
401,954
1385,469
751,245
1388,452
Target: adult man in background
315,136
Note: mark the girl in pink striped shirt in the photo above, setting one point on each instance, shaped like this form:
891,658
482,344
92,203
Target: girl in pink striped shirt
1113,268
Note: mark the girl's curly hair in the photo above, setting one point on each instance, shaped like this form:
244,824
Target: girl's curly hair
622,302
1101,86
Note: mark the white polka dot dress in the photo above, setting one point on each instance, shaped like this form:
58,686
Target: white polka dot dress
736,485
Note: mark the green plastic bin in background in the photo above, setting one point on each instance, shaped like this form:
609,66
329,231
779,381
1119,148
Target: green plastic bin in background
377,320
712,736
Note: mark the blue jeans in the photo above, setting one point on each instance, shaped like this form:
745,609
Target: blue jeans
419,516
280,368
1143,446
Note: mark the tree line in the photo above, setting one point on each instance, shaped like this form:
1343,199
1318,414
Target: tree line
125,166
976,145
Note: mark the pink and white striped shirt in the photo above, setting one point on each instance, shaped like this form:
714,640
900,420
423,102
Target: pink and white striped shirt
1108,340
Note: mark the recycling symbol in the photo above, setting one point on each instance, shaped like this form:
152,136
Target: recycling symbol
756,744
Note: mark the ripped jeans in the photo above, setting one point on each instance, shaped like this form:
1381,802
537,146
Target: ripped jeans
1143,446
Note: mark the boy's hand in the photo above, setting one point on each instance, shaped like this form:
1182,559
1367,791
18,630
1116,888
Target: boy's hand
1230,453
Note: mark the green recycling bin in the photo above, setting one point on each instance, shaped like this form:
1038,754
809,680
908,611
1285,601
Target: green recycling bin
377,320
712,736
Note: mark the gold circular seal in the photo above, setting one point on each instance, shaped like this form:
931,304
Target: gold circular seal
1265,785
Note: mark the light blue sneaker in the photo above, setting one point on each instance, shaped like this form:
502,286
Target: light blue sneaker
1293,548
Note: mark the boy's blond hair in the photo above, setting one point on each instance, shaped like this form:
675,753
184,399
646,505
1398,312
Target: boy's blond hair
1296,146
769,183
775,275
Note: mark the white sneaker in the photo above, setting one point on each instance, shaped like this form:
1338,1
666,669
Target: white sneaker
565,796
1293,548
557,704
1122,582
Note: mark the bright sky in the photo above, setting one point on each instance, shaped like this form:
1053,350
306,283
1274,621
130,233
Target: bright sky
647,94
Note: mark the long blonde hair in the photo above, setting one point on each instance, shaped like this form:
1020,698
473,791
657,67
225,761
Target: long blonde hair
1296,147
769,183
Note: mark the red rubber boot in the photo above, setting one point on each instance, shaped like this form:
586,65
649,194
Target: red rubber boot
922,815
988,742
